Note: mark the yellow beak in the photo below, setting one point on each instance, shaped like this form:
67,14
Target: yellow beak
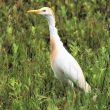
34,11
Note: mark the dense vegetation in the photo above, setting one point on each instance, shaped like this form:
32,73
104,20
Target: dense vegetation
26,79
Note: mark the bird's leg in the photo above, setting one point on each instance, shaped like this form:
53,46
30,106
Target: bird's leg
74,94
65,93
72,85
64,85
69,82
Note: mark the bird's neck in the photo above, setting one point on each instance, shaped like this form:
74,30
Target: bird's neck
52,28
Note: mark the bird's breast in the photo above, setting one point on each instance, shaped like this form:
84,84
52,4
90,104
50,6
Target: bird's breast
54,50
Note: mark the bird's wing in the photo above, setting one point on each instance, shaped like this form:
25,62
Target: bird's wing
70,67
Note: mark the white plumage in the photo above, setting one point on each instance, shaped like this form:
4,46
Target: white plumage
65,67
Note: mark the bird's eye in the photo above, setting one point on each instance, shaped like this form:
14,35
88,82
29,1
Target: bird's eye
44,10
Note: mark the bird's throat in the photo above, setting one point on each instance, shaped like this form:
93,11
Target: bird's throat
52,28
51,23
53,32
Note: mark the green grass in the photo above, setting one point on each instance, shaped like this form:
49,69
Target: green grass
26,79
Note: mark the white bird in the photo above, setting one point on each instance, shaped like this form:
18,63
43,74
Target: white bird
65,67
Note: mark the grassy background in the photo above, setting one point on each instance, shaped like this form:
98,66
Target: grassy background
26,79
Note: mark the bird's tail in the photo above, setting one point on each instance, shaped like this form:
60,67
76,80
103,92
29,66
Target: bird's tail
87,88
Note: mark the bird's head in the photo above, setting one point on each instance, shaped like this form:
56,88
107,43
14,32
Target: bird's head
46,11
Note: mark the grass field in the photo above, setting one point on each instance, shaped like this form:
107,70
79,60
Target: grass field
27,81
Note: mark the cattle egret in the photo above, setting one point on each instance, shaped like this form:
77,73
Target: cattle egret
65,67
